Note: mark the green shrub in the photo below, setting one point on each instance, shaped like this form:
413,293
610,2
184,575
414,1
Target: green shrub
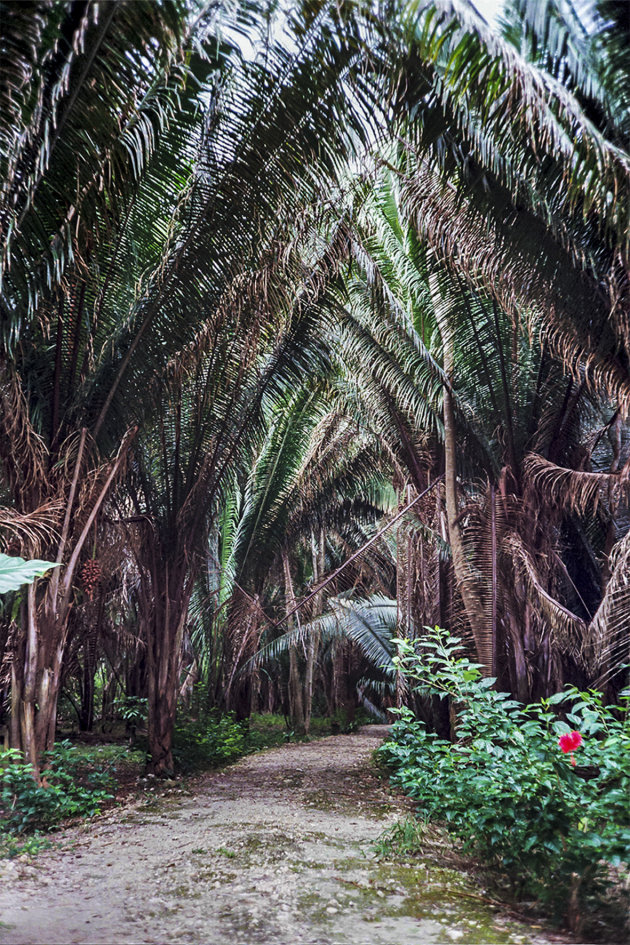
556,824
132,709
208,742
73,788
266,730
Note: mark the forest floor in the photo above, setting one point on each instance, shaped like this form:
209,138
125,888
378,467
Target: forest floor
277,849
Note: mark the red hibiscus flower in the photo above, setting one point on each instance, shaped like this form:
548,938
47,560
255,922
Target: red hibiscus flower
568,744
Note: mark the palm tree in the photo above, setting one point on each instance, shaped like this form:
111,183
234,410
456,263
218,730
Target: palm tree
419,345
74,205
185,467
219,146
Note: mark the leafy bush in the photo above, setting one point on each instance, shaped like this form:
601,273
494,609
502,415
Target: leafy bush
208,742
73,787
556,823
133,710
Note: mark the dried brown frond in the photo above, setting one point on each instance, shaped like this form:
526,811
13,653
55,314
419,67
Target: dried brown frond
574,490
569,630
95,476
245,623
608,637
24,452
68,454
30,532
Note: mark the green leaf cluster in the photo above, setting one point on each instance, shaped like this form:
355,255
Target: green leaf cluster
73,787
210,741
558,831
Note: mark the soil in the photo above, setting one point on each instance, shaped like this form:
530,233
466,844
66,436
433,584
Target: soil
278,849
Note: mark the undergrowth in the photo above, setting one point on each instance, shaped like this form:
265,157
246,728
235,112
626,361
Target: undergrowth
550,815
73,785
208,742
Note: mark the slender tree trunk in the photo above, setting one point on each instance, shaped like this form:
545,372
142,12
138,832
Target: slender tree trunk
296,707
318,554
86,721
441,568
94,618
108,700
349,697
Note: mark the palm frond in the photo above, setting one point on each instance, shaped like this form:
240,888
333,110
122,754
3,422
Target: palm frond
573,489
569,629
369,624
607,641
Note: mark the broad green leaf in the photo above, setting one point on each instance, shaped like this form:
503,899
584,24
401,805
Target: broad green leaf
16,571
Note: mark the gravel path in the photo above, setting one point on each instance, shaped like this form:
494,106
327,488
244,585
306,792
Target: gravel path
277,849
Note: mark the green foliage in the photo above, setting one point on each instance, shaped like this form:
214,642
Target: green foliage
132,709
212,740
403,839
116,756
73,787
505,787
208,742
368,622
17,844
16,571
267,731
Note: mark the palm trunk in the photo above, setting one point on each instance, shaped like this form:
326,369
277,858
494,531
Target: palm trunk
472,603
519,681
86,722
36,681
164,607
93,622
318,555
296,706
402,587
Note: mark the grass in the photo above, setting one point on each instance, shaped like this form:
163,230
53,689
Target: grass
229,853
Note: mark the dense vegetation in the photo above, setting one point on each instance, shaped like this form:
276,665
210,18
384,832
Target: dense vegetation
556,827
314,331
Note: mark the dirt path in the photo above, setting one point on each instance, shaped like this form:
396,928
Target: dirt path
277,850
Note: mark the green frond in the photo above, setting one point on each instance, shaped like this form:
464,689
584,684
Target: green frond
369,624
